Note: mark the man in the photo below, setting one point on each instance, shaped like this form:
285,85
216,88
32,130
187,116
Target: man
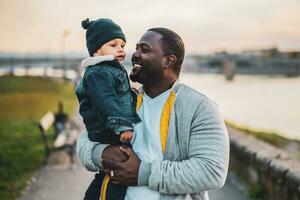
181,147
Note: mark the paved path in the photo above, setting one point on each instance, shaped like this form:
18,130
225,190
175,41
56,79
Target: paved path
65,182
59,183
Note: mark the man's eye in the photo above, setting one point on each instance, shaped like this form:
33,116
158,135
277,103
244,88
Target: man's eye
145,49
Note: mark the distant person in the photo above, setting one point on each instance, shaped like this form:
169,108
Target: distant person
107,103
181,147
60,119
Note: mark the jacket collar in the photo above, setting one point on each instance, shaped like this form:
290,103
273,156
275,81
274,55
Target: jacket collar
95,60
174,87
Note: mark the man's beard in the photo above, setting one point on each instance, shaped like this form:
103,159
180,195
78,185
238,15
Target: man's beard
135,72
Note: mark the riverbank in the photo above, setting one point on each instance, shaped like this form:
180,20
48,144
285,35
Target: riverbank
265,161
273,138
23,101
270,172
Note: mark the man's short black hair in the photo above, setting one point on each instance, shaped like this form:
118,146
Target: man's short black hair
172,44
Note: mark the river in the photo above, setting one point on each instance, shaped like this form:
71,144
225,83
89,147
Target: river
269,103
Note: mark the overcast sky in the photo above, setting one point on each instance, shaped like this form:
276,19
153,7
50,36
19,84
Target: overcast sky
205,25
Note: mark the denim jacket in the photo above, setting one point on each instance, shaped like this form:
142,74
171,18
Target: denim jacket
107,103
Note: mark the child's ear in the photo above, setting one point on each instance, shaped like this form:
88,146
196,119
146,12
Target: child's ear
96,53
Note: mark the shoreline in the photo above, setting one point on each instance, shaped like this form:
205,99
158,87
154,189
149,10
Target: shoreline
273,138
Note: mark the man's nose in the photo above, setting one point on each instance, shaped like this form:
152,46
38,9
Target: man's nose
134,58
135,55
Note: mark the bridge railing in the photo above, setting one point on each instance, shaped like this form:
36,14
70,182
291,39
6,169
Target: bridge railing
69,74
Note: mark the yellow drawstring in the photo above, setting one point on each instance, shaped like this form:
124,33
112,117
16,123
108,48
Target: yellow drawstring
165,119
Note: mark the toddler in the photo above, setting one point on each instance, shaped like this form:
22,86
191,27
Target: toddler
107,103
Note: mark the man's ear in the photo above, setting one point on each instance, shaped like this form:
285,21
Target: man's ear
171,60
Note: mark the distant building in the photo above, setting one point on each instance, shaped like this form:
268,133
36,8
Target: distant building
266,61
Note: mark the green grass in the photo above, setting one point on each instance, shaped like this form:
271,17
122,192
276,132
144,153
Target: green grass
258,192
23,102
272,138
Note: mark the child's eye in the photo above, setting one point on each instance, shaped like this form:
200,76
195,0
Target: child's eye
113,45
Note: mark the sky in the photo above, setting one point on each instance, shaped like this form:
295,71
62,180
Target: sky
205,26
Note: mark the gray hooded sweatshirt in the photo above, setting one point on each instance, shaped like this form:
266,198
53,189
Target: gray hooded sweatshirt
197,150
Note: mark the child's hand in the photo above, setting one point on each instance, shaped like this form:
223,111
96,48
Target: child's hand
126,136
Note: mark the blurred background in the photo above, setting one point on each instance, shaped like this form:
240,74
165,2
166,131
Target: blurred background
245,55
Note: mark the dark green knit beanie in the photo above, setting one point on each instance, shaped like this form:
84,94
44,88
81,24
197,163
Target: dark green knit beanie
99,32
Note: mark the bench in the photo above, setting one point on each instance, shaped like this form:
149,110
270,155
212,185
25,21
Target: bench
64,140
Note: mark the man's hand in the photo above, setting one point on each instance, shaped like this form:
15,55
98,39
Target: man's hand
114,153
125,173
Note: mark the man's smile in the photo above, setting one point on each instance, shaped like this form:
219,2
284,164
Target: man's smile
135,71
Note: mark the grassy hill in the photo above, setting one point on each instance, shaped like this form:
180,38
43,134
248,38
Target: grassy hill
23,102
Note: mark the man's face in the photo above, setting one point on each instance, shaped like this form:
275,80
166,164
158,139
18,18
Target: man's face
147,59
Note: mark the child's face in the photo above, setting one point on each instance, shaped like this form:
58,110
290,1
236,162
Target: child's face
113,47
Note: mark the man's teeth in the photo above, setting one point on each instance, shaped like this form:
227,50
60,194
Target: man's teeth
137,65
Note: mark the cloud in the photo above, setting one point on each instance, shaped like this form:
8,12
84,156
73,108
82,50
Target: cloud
37,25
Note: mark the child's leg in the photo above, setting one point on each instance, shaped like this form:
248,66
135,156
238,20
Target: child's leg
105,137
94,189
115,192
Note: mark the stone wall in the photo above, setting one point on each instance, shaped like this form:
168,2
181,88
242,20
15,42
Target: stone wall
260,163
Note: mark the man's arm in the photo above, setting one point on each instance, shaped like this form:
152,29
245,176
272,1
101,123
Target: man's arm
207,165
90,153
205,169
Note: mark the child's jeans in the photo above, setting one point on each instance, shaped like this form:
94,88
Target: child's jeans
113,192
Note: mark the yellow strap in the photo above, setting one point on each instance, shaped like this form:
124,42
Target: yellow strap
139,102
165,119
104,187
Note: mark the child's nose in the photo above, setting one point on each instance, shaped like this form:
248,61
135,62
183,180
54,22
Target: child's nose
121,49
